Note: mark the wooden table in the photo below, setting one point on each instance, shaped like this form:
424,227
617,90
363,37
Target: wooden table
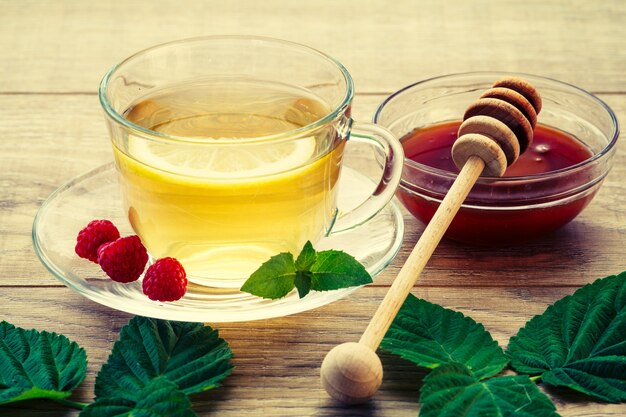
53,54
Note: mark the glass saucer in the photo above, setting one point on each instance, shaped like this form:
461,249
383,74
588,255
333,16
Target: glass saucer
95,195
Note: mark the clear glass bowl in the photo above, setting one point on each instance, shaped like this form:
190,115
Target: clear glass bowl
506,210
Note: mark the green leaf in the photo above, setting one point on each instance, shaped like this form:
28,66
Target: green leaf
190,355
37,364
579,342
303,283
452,391
430,336
334,269
5,328
159,398
306,258
319,271
274,279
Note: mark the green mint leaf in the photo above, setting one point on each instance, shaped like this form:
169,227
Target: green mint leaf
430,335
319,271
159,398
190,355
579,342
303,283
452,390
306,258
334,269
274,279
37,364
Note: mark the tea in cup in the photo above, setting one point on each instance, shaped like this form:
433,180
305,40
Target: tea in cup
229,151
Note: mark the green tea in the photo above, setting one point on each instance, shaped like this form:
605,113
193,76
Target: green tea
219,197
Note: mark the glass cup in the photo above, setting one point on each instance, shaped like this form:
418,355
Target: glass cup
229,150
513,209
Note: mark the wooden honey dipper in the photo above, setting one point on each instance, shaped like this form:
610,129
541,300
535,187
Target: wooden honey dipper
496,129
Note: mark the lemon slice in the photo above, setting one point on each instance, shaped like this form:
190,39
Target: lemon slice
223,161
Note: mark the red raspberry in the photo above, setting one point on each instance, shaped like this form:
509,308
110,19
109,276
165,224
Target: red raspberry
123,259
95,234
165,280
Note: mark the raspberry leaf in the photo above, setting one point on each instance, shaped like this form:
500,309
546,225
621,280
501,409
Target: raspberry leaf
579,342
452,390
159,398
37,364
430,335
190,355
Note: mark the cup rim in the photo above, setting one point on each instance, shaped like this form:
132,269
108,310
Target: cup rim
154,135
608,148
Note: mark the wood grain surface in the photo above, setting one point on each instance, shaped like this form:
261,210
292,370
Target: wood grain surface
53,55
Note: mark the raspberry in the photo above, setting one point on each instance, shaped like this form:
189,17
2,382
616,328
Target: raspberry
124,259
95,234
165,280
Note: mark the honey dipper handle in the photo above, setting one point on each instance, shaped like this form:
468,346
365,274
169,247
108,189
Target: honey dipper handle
421,253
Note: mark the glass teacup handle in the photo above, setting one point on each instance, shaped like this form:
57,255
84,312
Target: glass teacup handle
392,155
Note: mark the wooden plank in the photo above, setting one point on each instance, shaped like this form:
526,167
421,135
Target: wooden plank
54,140
67,46
277,360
